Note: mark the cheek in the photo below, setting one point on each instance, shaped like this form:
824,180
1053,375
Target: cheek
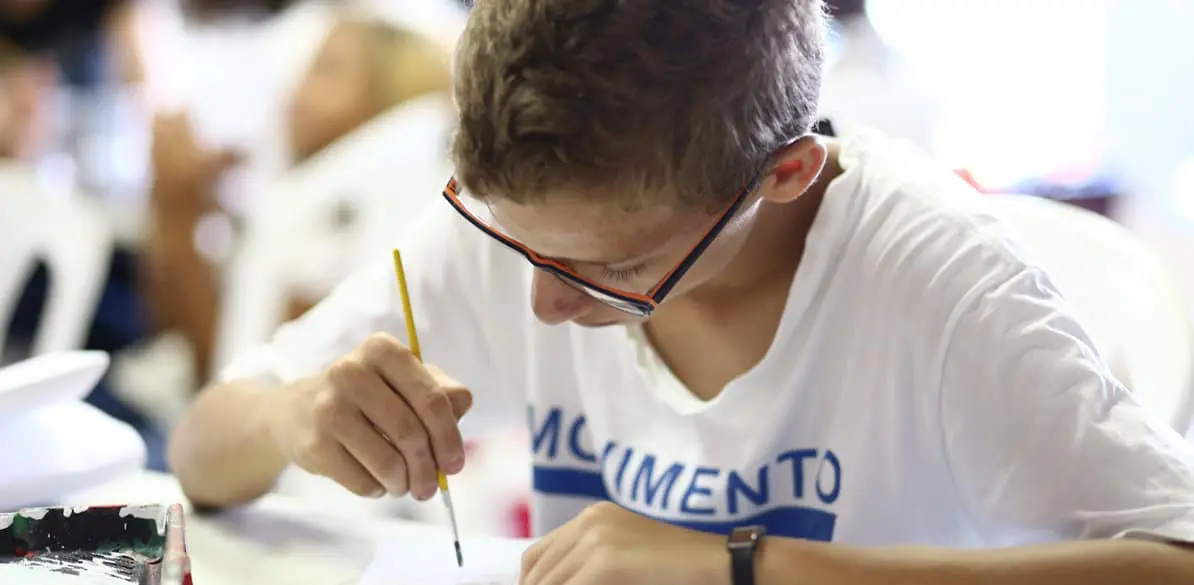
716,257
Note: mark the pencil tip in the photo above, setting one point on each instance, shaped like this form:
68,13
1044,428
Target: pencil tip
459,555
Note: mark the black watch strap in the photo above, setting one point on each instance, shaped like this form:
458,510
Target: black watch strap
743,544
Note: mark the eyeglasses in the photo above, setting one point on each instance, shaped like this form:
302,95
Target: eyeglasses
635,303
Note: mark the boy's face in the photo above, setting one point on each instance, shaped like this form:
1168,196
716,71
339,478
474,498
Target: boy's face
336,96
598,264
630,251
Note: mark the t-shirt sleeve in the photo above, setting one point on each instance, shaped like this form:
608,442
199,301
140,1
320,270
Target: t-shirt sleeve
1040,436
445,268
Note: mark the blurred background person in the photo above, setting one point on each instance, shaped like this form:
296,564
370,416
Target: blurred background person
24,83
363,69
226,127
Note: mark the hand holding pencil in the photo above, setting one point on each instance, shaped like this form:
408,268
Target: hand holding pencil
377,421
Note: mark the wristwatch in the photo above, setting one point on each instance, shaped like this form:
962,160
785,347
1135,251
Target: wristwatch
743,544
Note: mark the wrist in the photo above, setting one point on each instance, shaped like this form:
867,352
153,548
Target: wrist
784,561
277,420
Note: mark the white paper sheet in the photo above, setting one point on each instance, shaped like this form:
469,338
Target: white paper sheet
486,562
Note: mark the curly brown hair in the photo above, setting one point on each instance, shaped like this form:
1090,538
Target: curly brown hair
637,102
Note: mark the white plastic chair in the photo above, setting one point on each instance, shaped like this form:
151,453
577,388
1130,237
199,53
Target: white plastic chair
1125,294
386,172
71,236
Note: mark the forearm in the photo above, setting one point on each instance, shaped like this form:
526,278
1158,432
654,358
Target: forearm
222,451
181,287
1105,562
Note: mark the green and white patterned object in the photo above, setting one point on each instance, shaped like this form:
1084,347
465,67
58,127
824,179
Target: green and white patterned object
97,545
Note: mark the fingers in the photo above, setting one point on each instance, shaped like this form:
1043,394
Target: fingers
549,562
342,468
394,418
378,456
403,372
376,424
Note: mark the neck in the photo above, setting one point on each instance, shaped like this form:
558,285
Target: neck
772,251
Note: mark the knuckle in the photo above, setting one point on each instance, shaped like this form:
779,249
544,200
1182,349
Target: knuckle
594,513
380,346
418,456
438,406
328,408
411,439
594,537
345,374
418,387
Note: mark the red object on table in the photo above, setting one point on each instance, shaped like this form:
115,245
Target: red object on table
520,519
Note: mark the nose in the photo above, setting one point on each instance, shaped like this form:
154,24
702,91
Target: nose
555,302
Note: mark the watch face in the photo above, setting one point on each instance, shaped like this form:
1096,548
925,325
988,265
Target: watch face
744,536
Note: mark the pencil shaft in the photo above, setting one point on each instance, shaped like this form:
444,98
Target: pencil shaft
413,339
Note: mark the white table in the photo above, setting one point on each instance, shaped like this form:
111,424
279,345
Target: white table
274,541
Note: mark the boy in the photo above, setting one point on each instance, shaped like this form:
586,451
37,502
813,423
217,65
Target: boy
851,369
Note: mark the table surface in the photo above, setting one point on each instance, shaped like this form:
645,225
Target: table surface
277,540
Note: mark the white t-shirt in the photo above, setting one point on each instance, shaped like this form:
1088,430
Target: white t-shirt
926,385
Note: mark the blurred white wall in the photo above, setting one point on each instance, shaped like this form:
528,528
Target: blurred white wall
1033,86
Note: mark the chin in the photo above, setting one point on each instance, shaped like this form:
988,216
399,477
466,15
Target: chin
595,324
610,322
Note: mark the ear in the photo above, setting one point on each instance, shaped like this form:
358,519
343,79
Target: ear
795,169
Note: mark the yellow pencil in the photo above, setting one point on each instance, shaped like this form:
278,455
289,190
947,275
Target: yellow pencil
413,337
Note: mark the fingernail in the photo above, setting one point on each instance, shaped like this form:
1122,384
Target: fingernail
378,493
455,465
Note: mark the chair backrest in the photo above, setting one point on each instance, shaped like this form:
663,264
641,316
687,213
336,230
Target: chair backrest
1124,292
71,236
383,174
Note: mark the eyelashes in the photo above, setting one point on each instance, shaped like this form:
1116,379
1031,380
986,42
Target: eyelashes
622,274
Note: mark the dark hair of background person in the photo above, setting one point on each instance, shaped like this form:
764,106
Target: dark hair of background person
846,8
203,9
70,32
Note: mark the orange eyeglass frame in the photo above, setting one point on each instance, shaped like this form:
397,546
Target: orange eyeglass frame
638,304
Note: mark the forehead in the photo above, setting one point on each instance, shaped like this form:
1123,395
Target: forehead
595,233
